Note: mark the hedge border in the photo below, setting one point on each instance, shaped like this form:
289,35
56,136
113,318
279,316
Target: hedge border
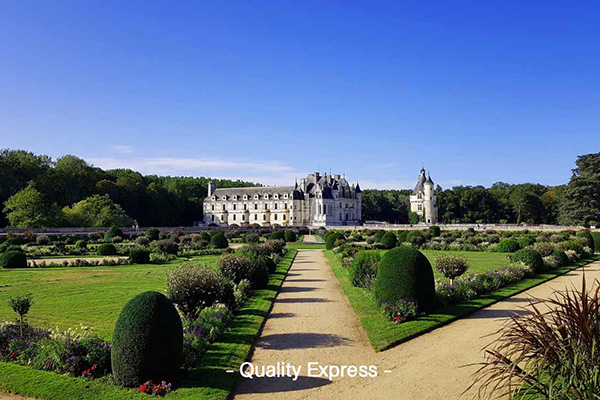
383,335
231,349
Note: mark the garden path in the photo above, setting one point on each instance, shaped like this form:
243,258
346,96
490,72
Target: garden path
312,321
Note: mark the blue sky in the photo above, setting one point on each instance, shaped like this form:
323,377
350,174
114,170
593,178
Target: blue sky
269,90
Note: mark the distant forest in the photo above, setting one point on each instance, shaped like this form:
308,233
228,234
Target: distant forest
36,191
577,202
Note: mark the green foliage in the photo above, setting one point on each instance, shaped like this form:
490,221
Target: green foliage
332,238
153,234
194,286
413,218
13,259
27,209
290,236
401,235
415,237
107,249
579,201
389,240
235,267
139,255
167,246
147,341
529,257
385,205
277,235
525,241
218,241
508,245
205,236
112,232
363,268
596,237
435,231
560,257
96,211
379,236
81,244
451,266
588,237
405,274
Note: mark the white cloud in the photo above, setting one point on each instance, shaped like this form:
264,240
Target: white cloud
126,149
268,173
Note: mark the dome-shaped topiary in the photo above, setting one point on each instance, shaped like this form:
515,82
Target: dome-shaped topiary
401,235
389,240
112,232
508,246
13,259
107,249
405,273
529,257
596,237
379,236
277,235
218,241
139,255
147,341
290,236
561,257
588,237
153,234
435,231
205,236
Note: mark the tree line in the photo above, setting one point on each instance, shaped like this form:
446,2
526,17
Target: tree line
574,203
36,191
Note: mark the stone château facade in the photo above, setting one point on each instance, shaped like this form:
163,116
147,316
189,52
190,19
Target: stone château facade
318,200
423,201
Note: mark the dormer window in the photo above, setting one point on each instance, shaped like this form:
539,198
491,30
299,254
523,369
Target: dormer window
285,196
266,197
235,197
245,197
276,197
214,198
256,197
224,198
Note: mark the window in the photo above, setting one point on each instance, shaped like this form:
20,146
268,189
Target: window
223,207
266,206
213,207
419,207
245,206
284,217
264,217
255,217
234,217
255,206
222,217
243,217
275,205
256,197
285,206
224,198
275,217
234,207
213,217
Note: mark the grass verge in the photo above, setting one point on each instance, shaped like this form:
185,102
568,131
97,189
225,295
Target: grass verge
383,335
209,382
305,246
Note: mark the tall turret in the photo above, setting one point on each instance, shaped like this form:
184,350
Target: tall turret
211,188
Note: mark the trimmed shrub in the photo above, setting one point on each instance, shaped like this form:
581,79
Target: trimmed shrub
235,267
363,268
290,236
389,240
147,341
205,236
13,259
107,249
588,237
508,246
333,238
251,238
167,246
401,235
596,237
561,257
153,234
277,235
42,239
530,258
139,255
415,237
218,241
525,241
379,236
451,266
435,231
81,244
405,274
112,232
142,241
194,286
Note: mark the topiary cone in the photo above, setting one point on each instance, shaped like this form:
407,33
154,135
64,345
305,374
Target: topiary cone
147,341
405,273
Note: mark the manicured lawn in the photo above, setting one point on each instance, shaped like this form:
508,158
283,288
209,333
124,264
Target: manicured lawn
210,382
478,261
92,296
305,246
382,334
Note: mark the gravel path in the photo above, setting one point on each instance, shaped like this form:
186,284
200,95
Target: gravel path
312,321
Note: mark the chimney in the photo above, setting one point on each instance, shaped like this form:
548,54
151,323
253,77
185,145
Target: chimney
211,188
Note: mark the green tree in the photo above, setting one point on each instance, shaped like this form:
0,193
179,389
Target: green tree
97,211
27,209
579,201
